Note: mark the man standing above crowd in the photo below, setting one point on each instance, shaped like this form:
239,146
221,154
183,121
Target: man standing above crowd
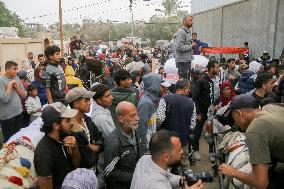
176,112
183,48
122,150
54,79
264,133
11,93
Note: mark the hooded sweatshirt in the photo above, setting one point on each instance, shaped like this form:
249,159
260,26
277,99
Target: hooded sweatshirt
102,118
71,80
119,95
147,108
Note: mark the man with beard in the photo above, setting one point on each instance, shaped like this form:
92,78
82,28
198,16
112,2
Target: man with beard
151,170
57,153
204,97
121,148
183,48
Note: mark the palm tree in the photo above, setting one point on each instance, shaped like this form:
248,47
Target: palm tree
170,7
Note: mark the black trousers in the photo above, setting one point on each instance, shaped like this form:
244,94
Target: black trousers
11,126
184,69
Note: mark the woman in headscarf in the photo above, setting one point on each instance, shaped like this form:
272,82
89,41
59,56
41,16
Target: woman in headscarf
38,82
226,94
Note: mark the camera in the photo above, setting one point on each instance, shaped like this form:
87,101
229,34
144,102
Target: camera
192,178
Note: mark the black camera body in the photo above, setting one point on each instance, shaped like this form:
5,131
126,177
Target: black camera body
192,178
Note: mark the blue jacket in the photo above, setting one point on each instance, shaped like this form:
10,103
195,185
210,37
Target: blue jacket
246,82
198,45
41,91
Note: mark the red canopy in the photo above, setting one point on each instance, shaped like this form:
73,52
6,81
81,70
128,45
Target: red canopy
224,50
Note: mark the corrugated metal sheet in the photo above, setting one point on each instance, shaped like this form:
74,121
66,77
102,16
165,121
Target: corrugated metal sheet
198,6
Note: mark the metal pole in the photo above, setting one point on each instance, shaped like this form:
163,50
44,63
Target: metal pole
61,29
132,21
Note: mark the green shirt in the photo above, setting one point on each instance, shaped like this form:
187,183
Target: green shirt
265,135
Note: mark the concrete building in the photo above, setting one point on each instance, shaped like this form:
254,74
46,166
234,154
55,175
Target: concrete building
232,22
8,32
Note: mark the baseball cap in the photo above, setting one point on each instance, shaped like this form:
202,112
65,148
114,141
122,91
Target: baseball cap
78,92
22,73
239,102
53,112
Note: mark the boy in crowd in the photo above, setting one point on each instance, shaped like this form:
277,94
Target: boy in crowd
33,104
55,83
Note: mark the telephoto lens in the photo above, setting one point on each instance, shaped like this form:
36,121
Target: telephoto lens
192,178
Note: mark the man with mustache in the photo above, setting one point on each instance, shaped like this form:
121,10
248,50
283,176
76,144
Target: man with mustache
121,148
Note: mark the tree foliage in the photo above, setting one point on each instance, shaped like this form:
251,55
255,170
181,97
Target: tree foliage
10,19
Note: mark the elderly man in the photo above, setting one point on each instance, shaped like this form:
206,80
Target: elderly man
121,148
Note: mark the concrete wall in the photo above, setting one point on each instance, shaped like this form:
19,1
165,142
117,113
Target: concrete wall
259,22
17,50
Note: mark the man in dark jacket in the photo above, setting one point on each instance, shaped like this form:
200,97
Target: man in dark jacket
204,98
122,92
121,148
199,44
176,112
89,138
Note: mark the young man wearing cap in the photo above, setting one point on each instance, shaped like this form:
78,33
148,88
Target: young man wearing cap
57,153
264,138
54,79
11,93
176,112
89,138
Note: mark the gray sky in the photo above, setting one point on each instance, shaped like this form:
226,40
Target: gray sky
115,10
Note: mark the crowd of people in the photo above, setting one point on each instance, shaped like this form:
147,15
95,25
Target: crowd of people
133,129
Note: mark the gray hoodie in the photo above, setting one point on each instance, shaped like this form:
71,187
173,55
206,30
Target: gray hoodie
102,118
147,108
183,48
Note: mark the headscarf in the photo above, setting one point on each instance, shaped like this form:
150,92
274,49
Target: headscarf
36,73
224,101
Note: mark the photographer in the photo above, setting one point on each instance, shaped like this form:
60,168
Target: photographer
151,170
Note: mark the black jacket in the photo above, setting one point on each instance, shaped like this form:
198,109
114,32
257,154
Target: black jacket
120,159
204,96
88,158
